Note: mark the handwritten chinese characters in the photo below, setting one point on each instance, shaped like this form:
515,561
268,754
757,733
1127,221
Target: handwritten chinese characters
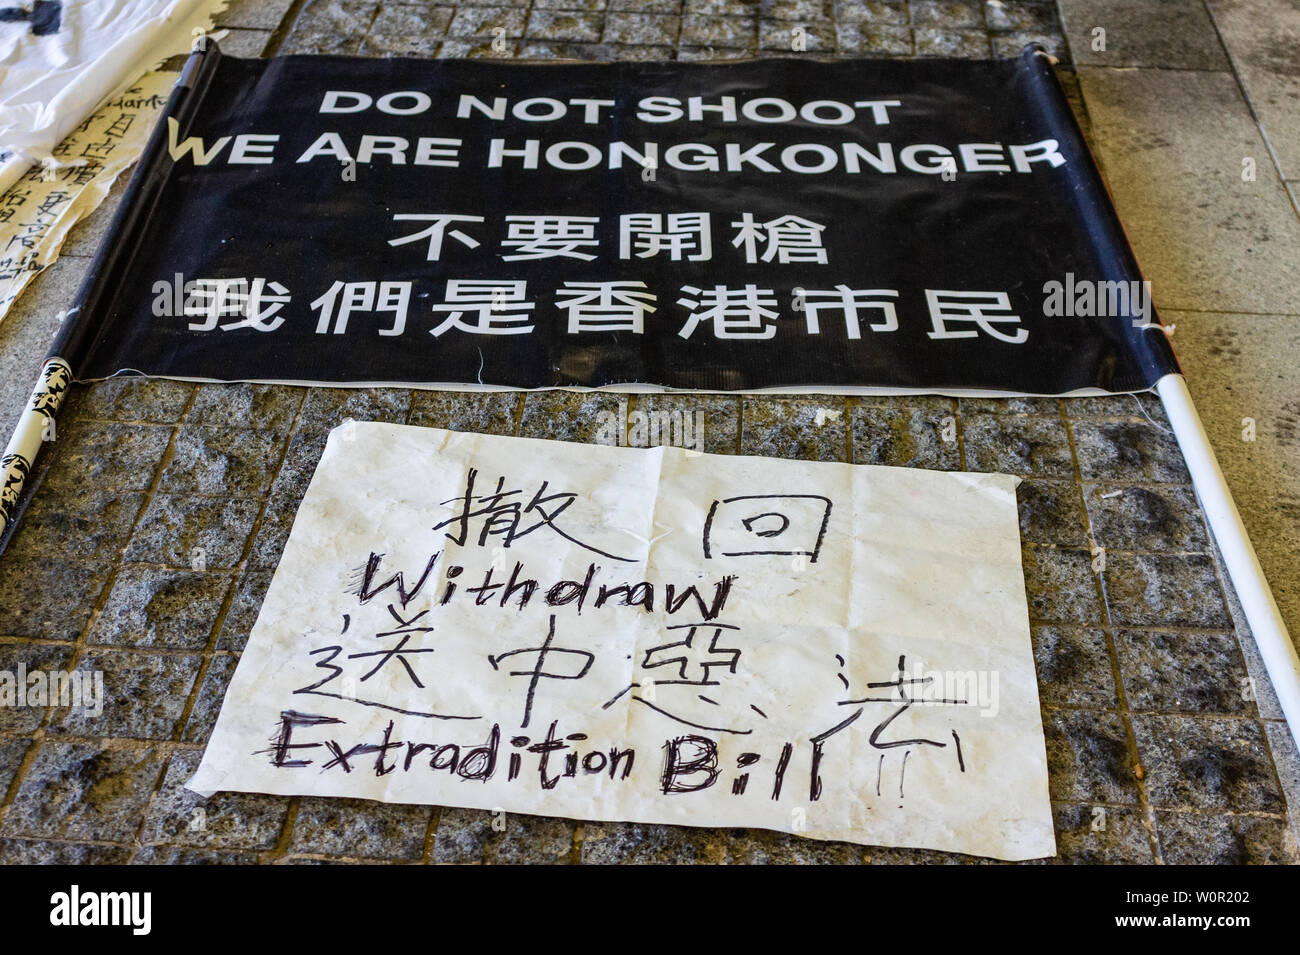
37,212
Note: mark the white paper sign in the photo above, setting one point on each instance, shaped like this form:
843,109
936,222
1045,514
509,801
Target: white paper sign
657,635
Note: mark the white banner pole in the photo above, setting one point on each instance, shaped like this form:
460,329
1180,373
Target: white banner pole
1266,624
34,429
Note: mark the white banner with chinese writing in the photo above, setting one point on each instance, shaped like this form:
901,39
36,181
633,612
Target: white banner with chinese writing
659,635
59,59
39,210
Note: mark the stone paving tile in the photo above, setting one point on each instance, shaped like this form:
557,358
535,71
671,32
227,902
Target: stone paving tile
273,532
207,705
1192,763
902,436
473,835
781,37
180,816
588,6
243,610
1025,446
1127,407
1073,667
144,695
461,49
93,524
263,407
234,462
84,791
809,429
109,457
1010,46
867,39
43,852
477,3
485,22
1286,760
1020,16
482,412
331,26
12,752
872,11
174,855
641,28
1022,405
765,847
24,720
360,828
407,31
732,32
955,44
49,599
326,408
947,14
1051,513
148,400
1088,757
1060,585
880,855
245,43
647,6
565,25
1172,142
1183,672
1154,590
1123,451
688,54
1171,34
639,843
1265,698
567,416
1263,40
299,464
154,608
1146,518
1100,835
1192,838
797,9
195,532
253,14
717,417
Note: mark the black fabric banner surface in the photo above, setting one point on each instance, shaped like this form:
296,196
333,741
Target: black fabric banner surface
780,224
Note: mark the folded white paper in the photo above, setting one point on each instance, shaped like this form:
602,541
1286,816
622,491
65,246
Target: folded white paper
657,635
59,61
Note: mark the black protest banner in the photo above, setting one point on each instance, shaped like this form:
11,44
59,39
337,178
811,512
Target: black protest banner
786,224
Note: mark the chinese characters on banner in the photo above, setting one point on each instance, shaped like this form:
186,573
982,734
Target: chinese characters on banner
503,306
656,636
781,224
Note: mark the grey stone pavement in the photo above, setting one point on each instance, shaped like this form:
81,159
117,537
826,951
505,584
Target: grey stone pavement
1144,667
